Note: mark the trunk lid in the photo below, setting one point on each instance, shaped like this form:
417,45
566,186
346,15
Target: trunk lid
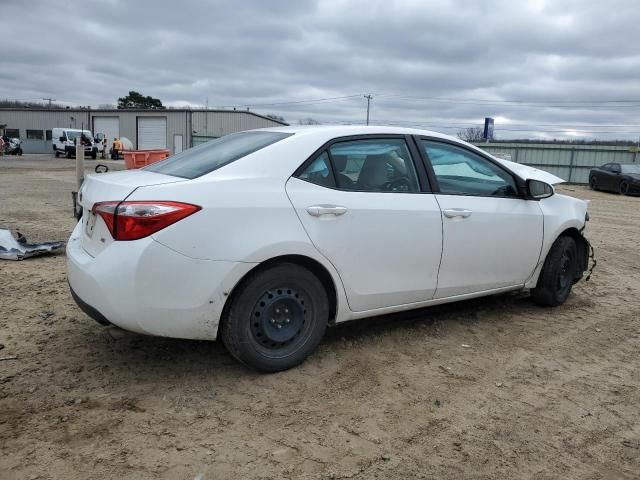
105,187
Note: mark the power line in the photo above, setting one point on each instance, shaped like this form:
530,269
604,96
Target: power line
296,102
480,101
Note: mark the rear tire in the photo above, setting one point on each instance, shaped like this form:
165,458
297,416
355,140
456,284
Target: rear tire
56,153
558,273
68,153
277,318
624,187
593,183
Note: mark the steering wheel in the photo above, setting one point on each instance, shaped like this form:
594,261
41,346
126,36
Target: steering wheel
401,184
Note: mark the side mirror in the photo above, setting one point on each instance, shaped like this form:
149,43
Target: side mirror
62,139
616,169
538,190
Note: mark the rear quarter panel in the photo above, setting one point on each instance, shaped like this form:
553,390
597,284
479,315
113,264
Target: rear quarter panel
243,219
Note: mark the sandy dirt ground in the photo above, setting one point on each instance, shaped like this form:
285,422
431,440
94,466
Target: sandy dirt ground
492,388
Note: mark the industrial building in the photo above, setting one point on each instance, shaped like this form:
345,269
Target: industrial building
147,129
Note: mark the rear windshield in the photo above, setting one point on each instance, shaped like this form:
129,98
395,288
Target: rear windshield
212,155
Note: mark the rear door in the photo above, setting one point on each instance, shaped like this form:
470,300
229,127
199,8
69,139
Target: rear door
492,237
365,204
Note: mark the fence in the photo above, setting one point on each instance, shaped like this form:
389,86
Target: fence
570,162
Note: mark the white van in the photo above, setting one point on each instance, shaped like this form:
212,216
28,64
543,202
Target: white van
64,142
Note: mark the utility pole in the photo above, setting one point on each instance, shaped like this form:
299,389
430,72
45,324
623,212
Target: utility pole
368,97
50,100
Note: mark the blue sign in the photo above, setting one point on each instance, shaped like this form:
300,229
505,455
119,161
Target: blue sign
488,128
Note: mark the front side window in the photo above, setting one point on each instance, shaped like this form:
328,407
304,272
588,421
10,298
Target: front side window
212,155
461,172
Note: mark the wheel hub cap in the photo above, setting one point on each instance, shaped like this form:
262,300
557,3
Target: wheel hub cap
278,317
566,271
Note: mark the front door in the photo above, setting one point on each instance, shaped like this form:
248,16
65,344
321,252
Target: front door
361,203
492,238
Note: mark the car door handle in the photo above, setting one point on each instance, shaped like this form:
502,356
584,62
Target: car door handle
457,212
317,210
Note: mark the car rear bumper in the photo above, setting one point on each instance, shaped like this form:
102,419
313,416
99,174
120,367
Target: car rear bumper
145,287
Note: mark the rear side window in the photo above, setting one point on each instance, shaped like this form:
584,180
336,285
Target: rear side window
212,155
319,172
368,165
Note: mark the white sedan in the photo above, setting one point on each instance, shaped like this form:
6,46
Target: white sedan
265,237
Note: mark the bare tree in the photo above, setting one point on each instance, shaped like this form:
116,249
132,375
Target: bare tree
471,134
308,121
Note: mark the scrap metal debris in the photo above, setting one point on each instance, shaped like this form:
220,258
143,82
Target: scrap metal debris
18,249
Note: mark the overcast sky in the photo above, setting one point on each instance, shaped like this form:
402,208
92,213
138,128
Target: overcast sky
442,64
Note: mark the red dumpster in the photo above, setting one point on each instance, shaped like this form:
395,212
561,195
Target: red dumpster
142,158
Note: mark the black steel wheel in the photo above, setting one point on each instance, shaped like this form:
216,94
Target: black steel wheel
277,317
558,273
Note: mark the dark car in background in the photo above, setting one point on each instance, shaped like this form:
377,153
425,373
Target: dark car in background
616,177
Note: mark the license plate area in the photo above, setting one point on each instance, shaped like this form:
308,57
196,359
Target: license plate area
90,223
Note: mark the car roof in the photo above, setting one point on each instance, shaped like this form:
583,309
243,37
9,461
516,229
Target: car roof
346,130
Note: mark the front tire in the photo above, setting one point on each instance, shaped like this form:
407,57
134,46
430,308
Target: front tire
593,183
277,318
558,273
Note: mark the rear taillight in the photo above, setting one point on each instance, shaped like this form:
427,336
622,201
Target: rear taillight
134,220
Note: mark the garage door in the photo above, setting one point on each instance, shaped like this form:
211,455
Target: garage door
152,133
110,126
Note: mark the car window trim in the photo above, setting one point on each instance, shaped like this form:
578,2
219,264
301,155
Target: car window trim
423,183
520,183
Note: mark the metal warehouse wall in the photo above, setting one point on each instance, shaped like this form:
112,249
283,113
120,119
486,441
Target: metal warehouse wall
570,162
42,120
216,123
177,123
209,123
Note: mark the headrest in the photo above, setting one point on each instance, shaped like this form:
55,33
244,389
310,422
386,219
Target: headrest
340,162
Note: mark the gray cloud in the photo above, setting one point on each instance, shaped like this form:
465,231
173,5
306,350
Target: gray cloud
256,52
